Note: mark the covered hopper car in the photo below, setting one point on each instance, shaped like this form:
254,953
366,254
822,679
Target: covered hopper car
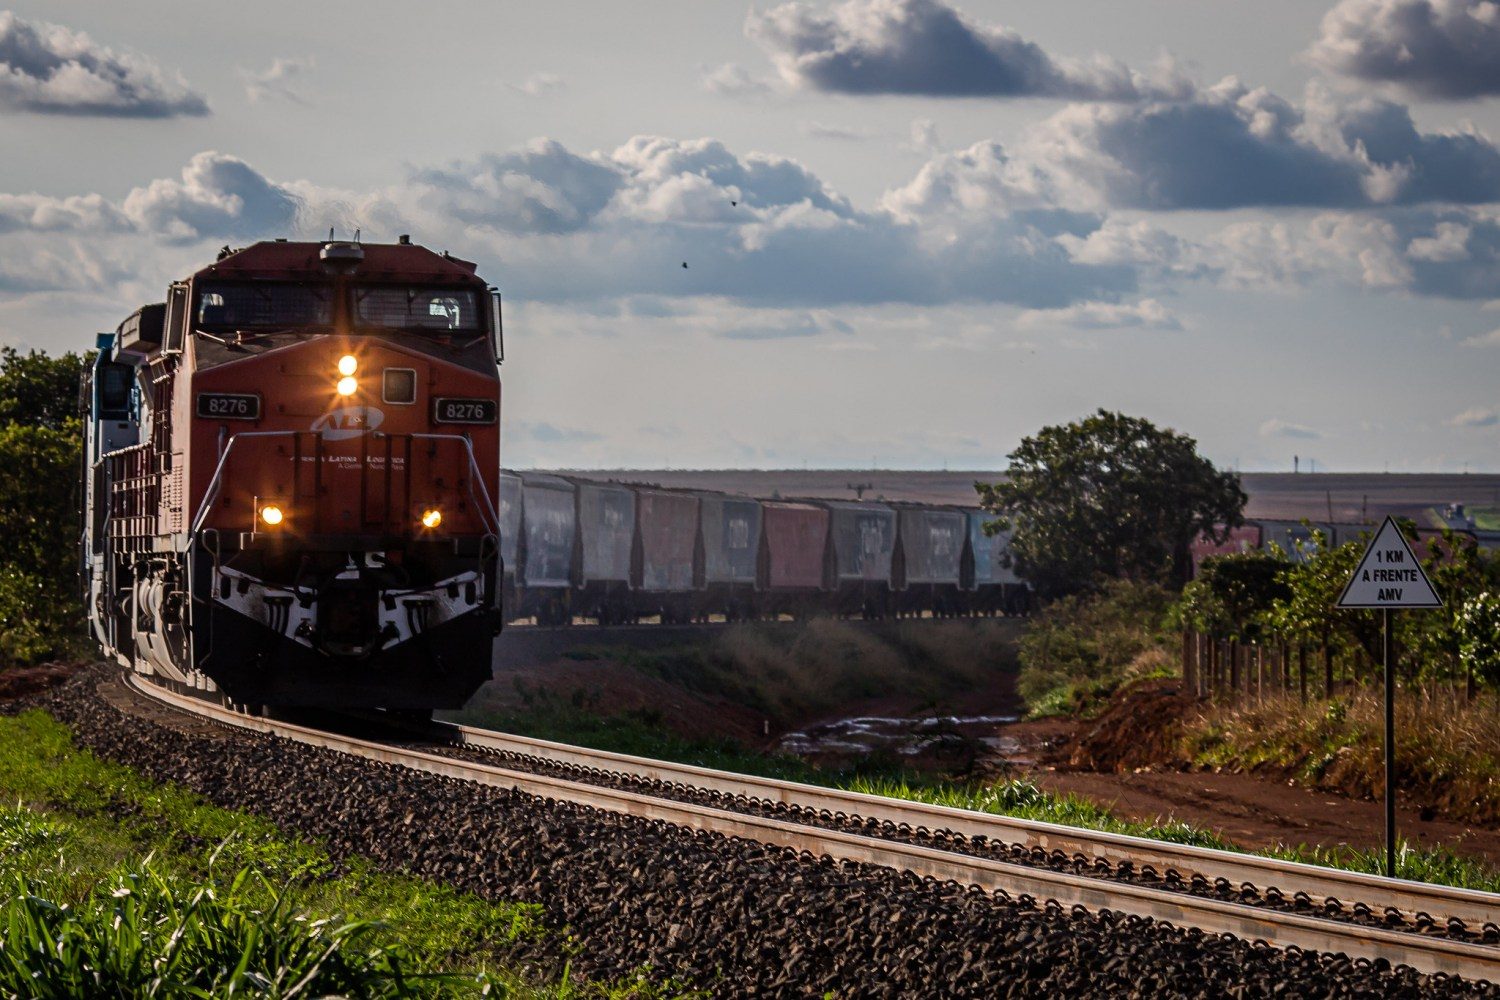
291,475
615,553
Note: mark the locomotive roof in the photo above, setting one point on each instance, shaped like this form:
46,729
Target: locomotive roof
285,260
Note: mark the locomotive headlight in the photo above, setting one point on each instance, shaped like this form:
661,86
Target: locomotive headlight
348,365
272,515
431,517
347,385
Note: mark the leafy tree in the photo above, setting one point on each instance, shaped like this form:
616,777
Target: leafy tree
1478,627
1457,568
38,389
1110,496
1232,596
40,455
1308,613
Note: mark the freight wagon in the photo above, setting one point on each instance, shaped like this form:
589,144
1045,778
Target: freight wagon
615,553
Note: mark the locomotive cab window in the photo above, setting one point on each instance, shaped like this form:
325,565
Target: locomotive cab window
427,310
116,383
229,307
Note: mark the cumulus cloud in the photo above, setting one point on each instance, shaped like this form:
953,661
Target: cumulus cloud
1284,429
67,267
1138,244
1447,49
1234,147
541,188
217,197
279,82
1475,417
45,214
50,69
926,47
1451,252
1491,339
1147,314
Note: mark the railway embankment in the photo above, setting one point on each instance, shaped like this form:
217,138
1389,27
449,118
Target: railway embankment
738,918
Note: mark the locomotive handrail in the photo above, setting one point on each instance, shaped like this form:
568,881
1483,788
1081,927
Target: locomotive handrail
487,509
212,493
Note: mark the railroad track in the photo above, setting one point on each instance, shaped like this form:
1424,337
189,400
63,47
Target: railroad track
1443,930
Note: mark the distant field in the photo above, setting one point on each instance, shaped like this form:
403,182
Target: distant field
1340,497
1486,518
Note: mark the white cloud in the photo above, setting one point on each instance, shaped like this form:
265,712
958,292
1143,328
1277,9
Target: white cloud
733,80
50,69
42,213
279,82
1234,147
217,197
1475,417
1147,314
1491,339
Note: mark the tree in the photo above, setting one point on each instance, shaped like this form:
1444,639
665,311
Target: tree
1479,637
1309,612
1232,596
39,390
1110,496
40,457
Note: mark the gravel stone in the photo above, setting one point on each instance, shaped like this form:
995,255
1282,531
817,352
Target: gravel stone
739,918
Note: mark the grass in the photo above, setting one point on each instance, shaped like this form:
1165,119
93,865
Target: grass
111,884
1447,750
1486,518
1024,800
1079,650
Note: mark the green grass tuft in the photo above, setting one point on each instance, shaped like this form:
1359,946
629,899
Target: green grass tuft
113,885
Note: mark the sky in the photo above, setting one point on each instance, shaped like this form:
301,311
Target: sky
915,231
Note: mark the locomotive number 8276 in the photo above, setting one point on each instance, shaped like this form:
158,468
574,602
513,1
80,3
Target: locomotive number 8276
290,472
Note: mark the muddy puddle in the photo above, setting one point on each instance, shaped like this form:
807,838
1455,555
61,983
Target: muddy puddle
908,737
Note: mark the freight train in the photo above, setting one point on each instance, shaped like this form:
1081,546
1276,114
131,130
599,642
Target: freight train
612,552
289,479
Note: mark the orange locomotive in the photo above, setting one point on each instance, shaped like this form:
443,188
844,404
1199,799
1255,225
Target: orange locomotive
292,473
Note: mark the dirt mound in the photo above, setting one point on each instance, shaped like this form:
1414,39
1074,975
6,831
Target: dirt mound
18,682
1140,728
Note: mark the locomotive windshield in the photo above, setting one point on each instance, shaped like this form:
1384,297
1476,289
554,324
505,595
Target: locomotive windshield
276,306
437,310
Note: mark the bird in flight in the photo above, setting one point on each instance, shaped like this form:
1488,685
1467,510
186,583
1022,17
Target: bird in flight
684,264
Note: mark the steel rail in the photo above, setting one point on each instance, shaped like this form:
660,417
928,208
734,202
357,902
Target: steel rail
1475,908
1274,927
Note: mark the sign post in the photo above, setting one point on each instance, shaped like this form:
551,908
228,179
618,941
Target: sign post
1389,575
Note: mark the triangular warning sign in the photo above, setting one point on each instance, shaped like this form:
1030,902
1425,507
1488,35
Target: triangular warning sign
1389,575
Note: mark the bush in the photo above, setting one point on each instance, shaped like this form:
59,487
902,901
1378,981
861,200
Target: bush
1083,647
